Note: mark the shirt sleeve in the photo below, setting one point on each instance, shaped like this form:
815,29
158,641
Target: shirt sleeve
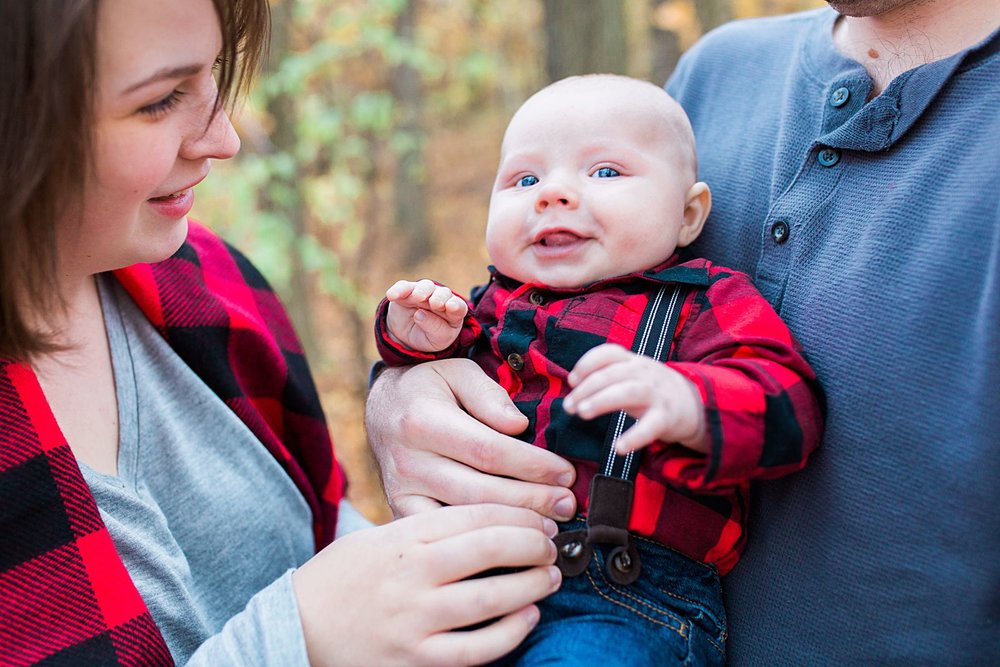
397,354
763,405
267,632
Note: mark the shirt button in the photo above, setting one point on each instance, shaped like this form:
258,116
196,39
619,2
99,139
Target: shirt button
516,361
839,97
828,157
536,298
779,232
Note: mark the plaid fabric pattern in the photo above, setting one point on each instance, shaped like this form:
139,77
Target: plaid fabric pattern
762,402
65,596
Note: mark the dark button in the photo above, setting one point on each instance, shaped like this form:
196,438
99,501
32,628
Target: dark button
779,232
536,298
516,361
840,97
829,156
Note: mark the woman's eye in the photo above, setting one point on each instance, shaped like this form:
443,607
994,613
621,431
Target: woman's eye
606,172
162,106
527,181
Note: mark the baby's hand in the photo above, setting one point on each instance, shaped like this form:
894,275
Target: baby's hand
666,405
424,316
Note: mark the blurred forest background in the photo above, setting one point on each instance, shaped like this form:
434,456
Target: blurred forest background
370,142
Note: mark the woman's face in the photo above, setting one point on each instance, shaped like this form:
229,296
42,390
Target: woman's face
154,133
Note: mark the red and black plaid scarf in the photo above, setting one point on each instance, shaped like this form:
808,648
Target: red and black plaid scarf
65,596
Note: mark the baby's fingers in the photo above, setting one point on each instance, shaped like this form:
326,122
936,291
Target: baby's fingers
447,304
647,430
621,393
600,357
400,290
423,290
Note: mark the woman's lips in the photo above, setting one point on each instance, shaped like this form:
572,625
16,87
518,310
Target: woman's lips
175,205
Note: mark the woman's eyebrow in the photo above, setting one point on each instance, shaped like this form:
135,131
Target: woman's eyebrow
165,73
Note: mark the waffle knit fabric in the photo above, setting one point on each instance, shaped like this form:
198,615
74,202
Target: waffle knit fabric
873,227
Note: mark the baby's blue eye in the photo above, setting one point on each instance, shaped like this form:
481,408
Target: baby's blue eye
527,181
606,172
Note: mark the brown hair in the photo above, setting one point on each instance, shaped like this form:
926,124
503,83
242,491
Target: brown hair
47,56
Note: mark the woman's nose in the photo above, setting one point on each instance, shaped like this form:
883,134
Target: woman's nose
217,141
558,194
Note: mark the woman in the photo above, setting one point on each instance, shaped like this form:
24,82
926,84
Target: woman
165,472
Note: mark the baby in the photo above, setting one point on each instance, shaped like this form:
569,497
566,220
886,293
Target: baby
596,190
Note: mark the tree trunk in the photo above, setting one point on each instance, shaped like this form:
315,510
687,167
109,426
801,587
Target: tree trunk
666,49
410,215
712,13
289,200
585,37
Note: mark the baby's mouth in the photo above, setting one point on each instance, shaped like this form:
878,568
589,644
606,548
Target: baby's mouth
558,239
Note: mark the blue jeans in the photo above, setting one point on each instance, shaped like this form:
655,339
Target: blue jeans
672,615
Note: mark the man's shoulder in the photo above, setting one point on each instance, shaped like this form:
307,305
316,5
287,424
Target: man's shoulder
752,42
765,29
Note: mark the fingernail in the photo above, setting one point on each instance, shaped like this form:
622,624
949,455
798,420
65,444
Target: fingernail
565,479
564,508
513,412
555,576
532,615
549,527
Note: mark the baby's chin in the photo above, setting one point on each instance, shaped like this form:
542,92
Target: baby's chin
570,277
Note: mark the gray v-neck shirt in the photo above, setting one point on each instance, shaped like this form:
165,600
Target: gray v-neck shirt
207,523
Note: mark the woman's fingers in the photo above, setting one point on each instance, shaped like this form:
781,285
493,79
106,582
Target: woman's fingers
467,554
475,647
463,521
401,572
486,644
472,601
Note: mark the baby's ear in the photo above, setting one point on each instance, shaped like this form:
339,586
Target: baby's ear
696,207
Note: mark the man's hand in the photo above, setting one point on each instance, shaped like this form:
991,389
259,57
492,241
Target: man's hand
441,434
666,405
424,316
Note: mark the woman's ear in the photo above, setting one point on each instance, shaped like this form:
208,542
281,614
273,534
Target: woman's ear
696,207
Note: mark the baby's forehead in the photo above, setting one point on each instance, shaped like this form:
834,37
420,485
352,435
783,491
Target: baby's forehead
606,98
600,106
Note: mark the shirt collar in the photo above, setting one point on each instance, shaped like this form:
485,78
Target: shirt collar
879,123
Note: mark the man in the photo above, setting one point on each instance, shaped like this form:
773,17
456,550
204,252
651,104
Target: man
854,161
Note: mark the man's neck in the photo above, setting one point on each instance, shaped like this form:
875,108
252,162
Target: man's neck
913,34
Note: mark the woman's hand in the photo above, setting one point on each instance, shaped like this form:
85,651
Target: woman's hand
440,431
395,594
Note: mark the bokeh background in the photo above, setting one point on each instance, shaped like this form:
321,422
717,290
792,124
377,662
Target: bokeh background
370,142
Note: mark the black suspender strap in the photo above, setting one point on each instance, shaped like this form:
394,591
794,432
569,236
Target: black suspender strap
610,503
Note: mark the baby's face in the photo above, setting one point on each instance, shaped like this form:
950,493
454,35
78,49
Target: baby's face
591,185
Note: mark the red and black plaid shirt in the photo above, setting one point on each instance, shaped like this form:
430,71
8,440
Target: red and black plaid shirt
65,596
762,403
